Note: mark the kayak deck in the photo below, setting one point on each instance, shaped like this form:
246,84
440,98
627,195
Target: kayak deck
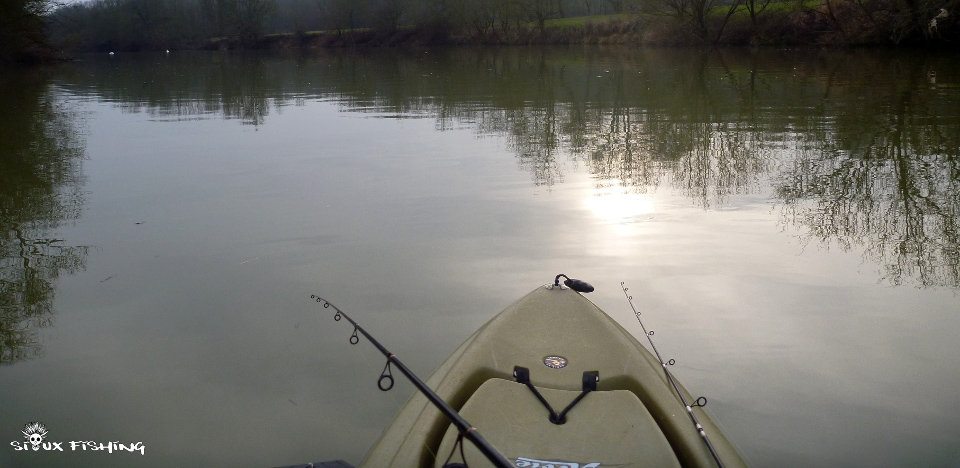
612,426
634,418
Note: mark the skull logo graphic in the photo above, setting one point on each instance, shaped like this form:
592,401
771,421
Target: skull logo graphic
34,433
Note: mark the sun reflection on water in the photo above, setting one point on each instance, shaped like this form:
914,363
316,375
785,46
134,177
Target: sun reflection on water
618,205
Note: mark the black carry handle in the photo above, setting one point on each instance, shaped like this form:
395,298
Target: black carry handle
590,379
574,284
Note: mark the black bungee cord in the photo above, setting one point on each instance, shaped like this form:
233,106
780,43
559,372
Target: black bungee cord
465,429
701,401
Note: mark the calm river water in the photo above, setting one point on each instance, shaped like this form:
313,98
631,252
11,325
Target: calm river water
786,220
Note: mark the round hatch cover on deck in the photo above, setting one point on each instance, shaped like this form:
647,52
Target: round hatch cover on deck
555,362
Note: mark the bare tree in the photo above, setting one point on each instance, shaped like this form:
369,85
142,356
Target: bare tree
343,15
23,30
250,18
702,12
540,11
755,8
679,8
216,15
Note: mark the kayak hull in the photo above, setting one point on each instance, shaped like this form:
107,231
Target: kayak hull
634,418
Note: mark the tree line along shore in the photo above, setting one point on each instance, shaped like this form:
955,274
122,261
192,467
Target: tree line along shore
43,30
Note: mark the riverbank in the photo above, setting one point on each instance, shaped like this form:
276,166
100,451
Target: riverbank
801,25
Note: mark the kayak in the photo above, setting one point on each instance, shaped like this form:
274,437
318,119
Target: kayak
554,382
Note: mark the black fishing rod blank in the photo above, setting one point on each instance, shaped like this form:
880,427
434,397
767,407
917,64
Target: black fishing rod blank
676,387
466,430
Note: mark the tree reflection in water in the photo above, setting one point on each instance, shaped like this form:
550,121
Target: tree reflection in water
876,166
885,176
860,149
40,187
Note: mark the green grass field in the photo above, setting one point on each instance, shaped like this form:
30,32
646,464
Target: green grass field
583,20
772,7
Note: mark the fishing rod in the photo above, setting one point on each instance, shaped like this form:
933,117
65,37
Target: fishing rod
466,430
701,401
